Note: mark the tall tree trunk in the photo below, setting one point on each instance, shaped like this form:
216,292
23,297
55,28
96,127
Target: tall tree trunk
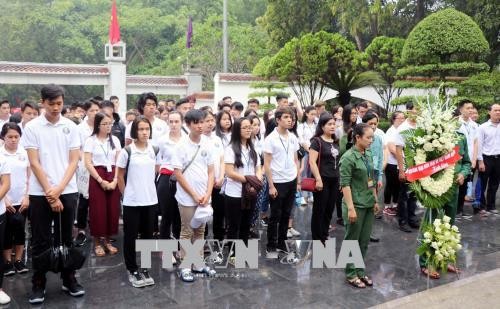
419,10
359,42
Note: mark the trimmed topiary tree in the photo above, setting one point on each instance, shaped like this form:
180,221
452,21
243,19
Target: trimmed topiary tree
447,43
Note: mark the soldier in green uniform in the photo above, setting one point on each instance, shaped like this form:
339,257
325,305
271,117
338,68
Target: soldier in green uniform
462,170
357,179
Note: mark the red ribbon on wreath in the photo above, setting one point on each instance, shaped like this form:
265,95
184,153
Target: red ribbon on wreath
429,168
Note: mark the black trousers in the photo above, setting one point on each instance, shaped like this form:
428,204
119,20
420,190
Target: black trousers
136,219
14,229
170,217
42,238
218,224
2,230
238,220
323,206
281,206
462,192
489,180
82,212
392,184
407,203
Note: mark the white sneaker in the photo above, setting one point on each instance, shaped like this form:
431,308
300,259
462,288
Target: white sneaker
136,279
293,232
289,234
311,199
4,298
303,201
147,278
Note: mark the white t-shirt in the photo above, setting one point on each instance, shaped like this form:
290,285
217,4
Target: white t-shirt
140,189
18,163
160,128
226,139
469,129
4,170
167,150
233,187
399,140
53,142
102,153
283,150
306,132
218,152
390,138
85,131
197,173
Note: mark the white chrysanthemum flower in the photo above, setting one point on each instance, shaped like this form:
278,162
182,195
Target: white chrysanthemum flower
427,235
428,147
434,245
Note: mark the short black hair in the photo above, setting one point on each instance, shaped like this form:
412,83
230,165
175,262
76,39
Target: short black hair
253,100
226,97
16,117
410,106
369,116
361,104
461,103
113,97
194,116
31,105
135,127
4,102
237,106
98,98
107,103
142,101
88,104
51,92
281,96
181,101
10,126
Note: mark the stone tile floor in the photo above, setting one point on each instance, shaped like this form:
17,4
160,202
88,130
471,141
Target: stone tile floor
392,263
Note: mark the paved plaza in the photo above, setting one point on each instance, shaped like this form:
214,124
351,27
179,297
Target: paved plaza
392,263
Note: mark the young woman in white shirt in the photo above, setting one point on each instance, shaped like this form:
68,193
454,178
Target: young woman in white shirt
240,160
218,225
4,188
139,195
170,217
101,150
16,200
223,126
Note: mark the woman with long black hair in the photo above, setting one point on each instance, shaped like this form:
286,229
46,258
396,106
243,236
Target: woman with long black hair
101,151
349,118
324,162
223,127
244,178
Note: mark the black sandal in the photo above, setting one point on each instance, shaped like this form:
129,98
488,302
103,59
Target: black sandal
366,280
357,283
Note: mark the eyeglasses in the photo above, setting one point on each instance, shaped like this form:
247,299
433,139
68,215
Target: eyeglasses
105,124
246,128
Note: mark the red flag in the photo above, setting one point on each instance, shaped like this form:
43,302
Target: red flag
114,27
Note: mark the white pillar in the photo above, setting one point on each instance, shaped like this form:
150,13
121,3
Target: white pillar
195,81
117,84
115,54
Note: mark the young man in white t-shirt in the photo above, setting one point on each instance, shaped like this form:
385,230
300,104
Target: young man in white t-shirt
193,165
146,105
53,147
281,166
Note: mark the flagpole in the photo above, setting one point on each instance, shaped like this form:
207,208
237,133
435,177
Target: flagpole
224,35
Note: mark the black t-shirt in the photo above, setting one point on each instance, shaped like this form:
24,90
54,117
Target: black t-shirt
330,157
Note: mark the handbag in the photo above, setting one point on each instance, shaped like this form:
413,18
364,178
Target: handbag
57,259
309,183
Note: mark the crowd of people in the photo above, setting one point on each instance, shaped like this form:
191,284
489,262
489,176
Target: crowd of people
165,168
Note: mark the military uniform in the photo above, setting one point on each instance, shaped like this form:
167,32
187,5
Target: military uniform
357,172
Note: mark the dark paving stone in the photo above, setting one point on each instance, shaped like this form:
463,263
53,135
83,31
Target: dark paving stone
392,263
